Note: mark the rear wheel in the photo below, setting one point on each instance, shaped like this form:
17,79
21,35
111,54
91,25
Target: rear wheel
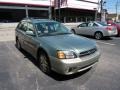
98,35
18,45
44,63
118,35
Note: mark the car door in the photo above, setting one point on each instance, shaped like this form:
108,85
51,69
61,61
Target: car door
81,29
91,29
30,40
20,32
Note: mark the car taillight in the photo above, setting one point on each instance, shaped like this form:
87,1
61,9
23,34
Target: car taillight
108,28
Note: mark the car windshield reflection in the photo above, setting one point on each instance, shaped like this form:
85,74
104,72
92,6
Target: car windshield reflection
51,28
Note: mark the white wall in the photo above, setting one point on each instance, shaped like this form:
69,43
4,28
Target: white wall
70,3
83,5
34,2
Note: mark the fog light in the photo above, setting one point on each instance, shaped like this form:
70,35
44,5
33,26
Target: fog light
72,69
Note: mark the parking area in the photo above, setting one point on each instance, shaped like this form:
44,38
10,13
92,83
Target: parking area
19,71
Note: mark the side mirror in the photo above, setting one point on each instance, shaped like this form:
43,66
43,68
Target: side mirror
30,33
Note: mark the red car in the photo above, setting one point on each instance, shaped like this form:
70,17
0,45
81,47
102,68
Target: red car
116,24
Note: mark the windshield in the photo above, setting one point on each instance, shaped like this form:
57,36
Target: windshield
51,28
102,23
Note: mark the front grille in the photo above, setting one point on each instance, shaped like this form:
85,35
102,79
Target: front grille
89,52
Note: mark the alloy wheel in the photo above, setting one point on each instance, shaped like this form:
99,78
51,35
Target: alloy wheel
44,65
98,35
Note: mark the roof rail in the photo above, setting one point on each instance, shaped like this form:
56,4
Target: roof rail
33,18
37,18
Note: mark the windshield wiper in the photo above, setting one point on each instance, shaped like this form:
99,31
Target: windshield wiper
52,34
45,34
63,33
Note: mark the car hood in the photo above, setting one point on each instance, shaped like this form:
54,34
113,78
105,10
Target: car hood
69,42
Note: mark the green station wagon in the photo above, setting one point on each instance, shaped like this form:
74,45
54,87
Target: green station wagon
55,47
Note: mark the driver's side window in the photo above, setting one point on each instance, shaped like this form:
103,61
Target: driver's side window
30,28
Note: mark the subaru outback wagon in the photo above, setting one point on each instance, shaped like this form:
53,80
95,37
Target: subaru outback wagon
55,47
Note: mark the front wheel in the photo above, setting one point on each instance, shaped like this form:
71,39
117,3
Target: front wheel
73,31
44,63
98,35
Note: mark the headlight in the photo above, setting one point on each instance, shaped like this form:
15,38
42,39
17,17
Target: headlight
66,55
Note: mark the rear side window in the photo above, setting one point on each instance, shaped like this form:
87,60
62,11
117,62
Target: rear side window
19,25
22,26
95,25
102,23
83,25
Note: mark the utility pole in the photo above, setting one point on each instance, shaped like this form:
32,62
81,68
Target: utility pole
59,11
26,10
117,10
95,13
101,5
50,10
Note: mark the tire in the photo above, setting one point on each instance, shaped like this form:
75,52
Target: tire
44,63
118,35
73,31
98,35
18,45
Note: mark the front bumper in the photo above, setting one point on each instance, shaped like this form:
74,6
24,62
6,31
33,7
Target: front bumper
71,66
